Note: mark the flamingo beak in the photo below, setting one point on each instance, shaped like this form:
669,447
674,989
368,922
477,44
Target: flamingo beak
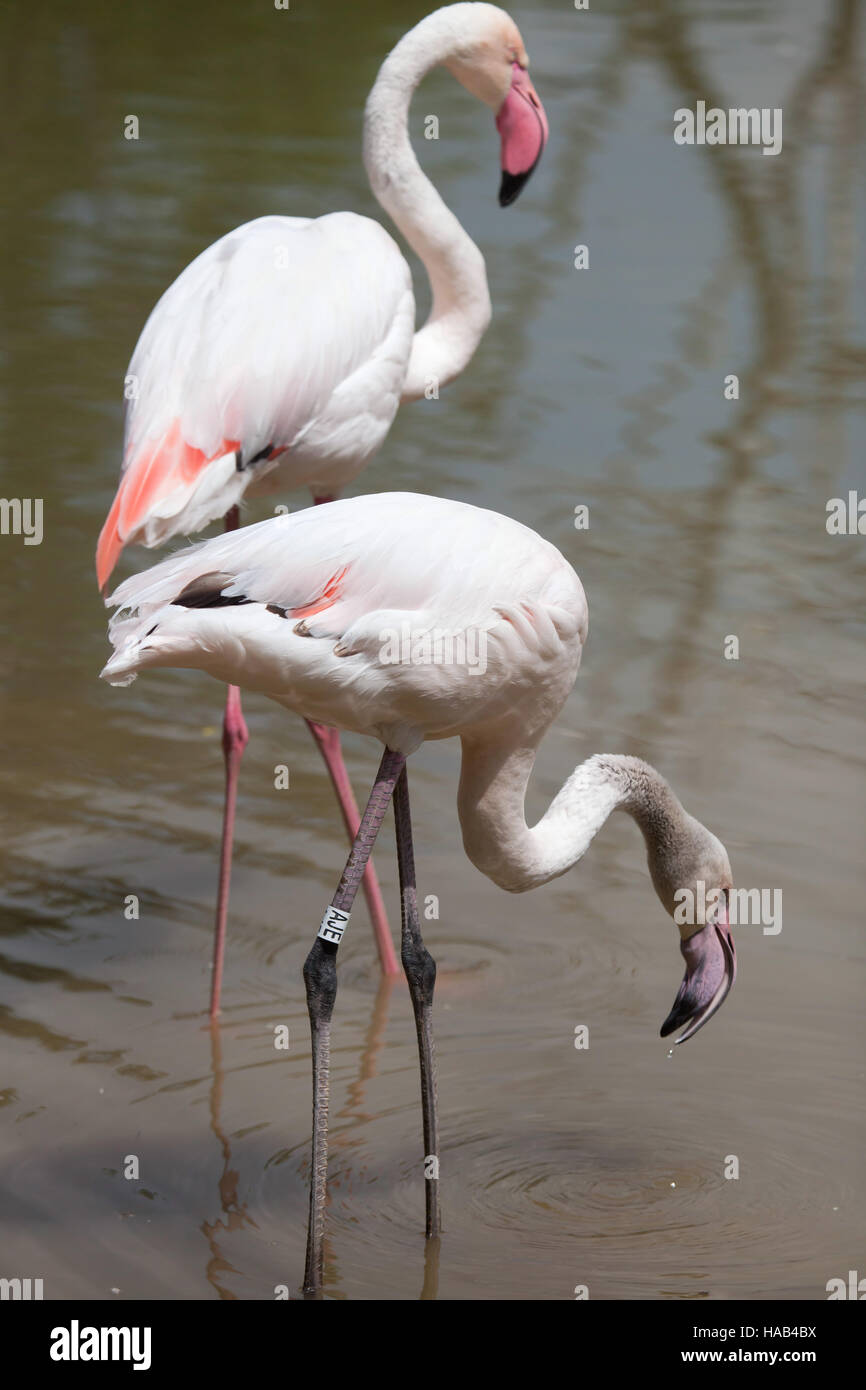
711,968
523,127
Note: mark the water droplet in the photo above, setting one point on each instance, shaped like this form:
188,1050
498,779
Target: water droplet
671,1053
673,1184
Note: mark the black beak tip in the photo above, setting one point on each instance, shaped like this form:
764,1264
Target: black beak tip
511,186
672,1022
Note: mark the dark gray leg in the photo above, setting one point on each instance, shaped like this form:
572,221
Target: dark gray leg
420,970
320,979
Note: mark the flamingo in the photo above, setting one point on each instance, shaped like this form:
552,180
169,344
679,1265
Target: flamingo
431,571
279,356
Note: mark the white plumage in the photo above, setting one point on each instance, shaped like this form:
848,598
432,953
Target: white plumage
371,569
287,333
279,356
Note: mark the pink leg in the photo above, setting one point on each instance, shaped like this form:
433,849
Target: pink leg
328,741
235,739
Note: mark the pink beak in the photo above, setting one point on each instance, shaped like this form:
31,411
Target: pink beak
523,127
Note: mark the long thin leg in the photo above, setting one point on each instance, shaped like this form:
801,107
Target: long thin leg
320,979
420,970
235,739
328,743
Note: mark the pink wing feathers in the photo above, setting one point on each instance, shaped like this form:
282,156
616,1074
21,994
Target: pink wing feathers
283,333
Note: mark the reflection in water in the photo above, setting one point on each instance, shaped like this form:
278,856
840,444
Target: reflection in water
368,1060
767,238
235,1212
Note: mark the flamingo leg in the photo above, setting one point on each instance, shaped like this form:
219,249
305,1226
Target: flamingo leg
235,739
420,970
320,980
328,744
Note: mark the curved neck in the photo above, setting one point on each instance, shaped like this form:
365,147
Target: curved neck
455,266
493,783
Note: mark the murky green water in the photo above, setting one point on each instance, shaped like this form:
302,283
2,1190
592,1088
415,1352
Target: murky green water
707,518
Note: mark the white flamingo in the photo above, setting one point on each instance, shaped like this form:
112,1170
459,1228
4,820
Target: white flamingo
428,582
278,358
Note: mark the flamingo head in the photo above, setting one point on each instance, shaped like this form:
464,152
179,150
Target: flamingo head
693,880
493,65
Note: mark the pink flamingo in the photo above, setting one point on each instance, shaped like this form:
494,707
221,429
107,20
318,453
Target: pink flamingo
413,618
278,358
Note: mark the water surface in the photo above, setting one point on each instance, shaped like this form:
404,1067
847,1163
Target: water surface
560,1167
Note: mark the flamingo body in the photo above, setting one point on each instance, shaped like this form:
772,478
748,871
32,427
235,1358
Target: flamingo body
303,607
276,359
279,356
324,590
